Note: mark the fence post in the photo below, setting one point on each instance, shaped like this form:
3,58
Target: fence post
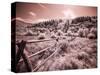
27,62
21,47
20,53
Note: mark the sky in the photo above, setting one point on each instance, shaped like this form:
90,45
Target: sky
34,12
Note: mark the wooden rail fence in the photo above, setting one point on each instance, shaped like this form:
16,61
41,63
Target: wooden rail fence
20,53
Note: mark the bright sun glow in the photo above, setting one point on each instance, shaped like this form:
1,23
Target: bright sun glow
69,14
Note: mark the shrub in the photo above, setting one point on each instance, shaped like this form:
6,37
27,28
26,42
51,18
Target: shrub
63,46
29,33
73,29
94,31
63,37
86,31
41,36
69,33
91,36
83,32
82,55
80,32
53,35
59,33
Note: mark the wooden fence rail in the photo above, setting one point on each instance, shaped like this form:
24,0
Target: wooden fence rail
35,41
43,50
21,47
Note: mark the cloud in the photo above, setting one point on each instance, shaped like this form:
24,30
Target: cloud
18,18
41,20
21,19
41,5
69,14
32,13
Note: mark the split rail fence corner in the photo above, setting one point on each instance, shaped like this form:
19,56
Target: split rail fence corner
21,47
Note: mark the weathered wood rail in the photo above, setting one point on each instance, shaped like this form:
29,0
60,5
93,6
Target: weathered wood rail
34,41
20,53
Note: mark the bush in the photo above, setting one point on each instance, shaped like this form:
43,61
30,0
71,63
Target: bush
63,37
53,36
69,33
29,33
83,32
86,31
63,46
80,32
91,36
59,33
94,31
82,55
41,36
